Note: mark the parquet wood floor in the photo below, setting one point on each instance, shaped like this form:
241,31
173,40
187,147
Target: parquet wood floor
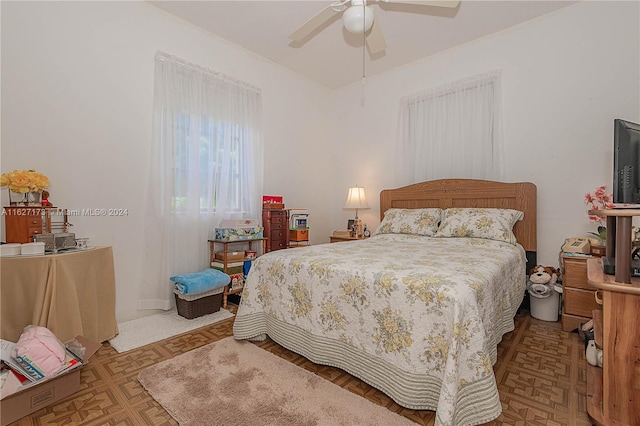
540,374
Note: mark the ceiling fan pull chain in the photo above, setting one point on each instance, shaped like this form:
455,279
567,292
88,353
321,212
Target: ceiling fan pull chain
364,40
364,49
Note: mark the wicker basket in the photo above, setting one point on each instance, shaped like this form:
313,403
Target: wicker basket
192,306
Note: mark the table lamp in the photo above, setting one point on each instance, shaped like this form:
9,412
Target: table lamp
357,200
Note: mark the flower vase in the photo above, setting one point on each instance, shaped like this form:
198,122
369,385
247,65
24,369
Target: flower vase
17,198
602,234
33,198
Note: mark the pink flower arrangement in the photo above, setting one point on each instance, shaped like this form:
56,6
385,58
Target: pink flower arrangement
599,200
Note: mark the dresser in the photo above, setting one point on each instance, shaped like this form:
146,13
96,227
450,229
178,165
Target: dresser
276,228
578,297
613,391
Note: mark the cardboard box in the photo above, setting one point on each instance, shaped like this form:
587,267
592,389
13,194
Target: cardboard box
232,256
34,396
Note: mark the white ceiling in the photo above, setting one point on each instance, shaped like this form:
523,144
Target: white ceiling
334,57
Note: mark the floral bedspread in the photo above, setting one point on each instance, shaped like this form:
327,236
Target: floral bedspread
416,317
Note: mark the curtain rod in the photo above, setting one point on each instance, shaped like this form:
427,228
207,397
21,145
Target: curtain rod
466,83
162,56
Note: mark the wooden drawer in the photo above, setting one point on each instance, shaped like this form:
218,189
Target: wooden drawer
34,220
575,273
571,322
277,234
34,226
22,223
299,235
37,230
279,216
279,245
579,302
277,223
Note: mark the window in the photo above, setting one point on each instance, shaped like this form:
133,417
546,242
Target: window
211,155
452,131
206,166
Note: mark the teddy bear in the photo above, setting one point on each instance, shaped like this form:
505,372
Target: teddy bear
542,287
542,280
544,275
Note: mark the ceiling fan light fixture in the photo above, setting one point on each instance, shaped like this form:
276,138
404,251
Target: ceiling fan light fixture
353,19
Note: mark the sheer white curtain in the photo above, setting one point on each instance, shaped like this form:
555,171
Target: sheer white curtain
206,165
452,131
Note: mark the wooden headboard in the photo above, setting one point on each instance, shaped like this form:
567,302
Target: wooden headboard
445,193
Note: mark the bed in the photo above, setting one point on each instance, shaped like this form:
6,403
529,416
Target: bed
416,310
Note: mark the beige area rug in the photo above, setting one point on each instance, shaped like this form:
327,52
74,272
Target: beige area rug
231,382
142,331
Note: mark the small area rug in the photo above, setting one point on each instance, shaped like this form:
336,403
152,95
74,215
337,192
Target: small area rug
231,382
142,331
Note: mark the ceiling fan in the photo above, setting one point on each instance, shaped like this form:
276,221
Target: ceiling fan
359,18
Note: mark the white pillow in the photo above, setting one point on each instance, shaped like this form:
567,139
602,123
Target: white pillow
410,221
487,223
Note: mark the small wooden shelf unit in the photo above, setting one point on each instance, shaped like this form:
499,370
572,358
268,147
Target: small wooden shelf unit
613,391
225,250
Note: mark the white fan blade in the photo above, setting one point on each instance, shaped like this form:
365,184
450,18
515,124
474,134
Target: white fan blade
375,39
313,24
438,3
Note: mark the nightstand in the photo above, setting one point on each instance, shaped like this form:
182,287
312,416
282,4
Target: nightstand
333,239
578,297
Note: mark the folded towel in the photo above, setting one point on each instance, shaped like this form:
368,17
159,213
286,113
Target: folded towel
200,282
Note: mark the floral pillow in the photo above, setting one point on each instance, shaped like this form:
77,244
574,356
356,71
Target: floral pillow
410,221
487,223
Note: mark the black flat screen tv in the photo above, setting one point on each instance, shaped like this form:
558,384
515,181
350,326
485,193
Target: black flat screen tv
626,162
626,178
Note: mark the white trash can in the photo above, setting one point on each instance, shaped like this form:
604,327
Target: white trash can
544,301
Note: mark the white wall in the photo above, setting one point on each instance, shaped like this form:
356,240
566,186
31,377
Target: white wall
77,93
565,77
77,89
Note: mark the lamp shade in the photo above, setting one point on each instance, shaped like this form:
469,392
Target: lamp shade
356,199
358,19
